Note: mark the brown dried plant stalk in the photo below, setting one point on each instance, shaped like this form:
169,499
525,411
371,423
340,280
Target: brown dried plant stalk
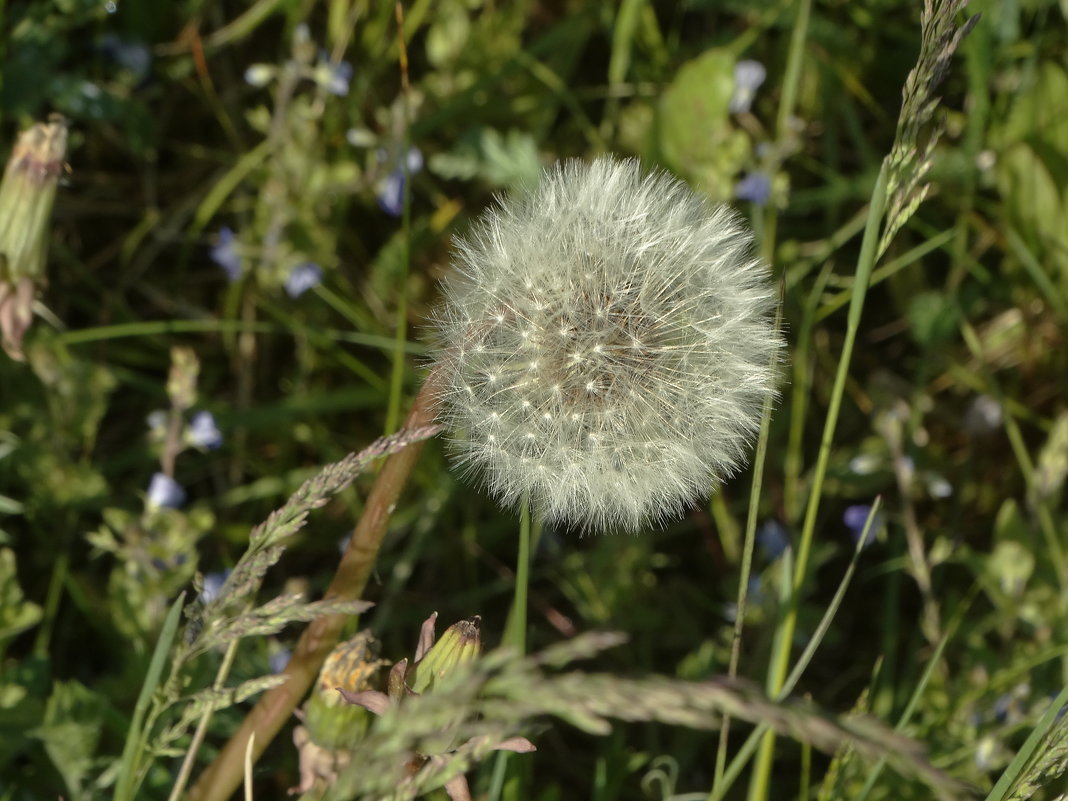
222,777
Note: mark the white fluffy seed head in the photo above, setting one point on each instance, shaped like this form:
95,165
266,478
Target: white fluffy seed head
606,345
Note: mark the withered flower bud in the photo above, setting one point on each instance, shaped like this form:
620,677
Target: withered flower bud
26,196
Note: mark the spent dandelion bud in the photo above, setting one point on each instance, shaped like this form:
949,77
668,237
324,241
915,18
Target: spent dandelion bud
607,344
352,666
27,193
332,725
459,644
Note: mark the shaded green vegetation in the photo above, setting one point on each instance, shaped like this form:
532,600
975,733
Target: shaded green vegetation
242,259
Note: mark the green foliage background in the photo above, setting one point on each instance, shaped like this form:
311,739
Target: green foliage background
954,410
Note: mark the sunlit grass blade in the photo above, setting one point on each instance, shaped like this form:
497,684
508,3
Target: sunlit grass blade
137,737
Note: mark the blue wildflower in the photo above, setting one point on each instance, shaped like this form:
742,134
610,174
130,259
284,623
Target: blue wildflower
157,421
414,159
748,76
772,539
213,584
856,516
754,187
391,195
302,278
938,486
279,659
334,76
164,492
224,253
133,56
983,416
203,432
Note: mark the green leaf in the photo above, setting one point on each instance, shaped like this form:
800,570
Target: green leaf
133,751
932,318
16,614
70,732
694,132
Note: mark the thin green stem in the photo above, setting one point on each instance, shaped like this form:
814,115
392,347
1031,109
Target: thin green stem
396,382
747,559
274,708
506,781
130,769
202,726
758,788
720,788
515,633
55,590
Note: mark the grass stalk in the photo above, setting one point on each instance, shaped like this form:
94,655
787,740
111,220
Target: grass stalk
272,711
730,775
759,786
129,770
747,562
396,381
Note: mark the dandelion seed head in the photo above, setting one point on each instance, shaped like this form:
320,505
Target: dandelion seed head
619,332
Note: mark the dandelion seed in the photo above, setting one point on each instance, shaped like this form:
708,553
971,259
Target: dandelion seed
642,408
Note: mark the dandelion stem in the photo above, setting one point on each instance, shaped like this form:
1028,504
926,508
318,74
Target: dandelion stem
223,776
515,633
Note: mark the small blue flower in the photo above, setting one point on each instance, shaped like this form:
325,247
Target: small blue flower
224,253
133,56
164,492
983,416
754,187
203,432
772,539
302,278
938,486
259,75
279,659
748,76
391,195
157,421
335,76
1002,705
213,584
856,516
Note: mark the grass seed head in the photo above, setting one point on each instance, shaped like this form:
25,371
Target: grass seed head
606,345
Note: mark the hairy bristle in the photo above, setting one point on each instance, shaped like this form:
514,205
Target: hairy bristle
606,346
